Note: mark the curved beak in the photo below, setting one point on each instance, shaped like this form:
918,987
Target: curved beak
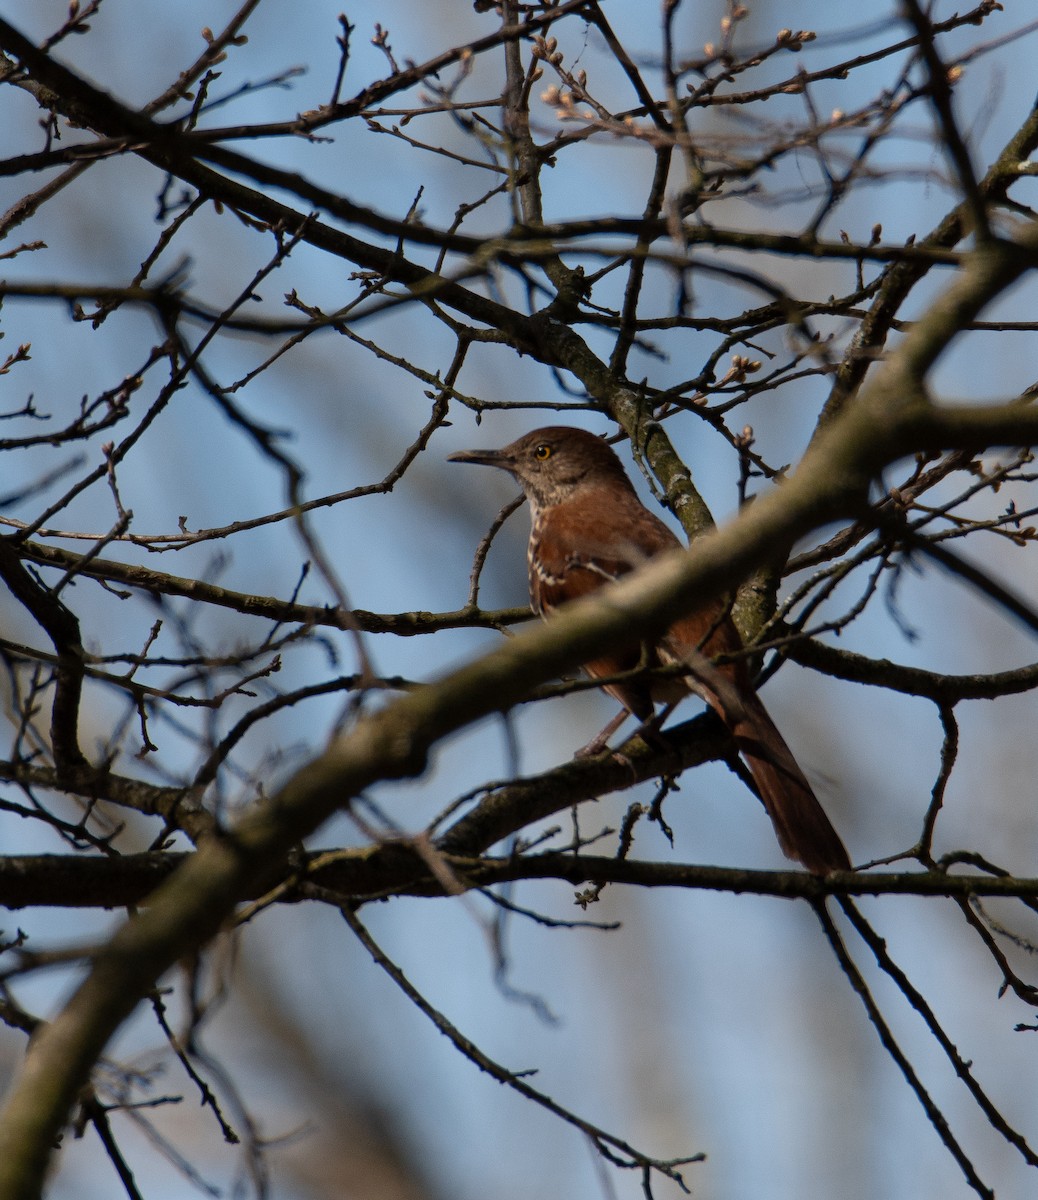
484,458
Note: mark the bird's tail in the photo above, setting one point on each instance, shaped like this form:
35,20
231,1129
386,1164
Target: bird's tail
804,832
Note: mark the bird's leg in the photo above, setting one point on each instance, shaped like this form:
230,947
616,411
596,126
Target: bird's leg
635,704
599,741
648,730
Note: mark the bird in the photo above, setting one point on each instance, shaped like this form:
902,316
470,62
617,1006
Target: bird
588,528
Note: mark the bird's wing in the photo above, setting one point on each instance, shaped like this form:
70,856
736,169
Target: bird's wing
577,548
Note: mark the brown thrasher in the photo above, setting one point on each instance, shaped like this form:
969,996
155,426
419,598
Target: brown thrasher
589,528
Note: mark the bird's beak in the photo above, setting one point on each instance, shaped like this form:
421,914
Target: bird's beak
485,458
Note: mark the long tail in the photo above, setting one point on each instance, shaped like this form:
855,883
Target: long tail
804,832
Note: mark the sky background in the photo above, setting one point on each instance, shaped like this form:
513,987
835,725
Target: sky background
706,1022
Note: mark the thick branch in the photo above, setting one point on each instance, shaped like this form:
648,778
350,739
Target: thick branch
62,627
912,681
94,881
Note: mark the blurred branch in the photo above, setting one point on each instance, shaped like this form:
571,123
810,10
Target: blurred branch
614,1149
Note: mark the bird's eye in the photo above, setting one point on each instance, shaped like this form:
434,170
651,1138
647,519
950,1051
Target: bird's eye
542,452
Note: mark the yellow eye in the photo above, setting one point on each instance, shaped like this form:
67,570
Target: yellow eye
542,451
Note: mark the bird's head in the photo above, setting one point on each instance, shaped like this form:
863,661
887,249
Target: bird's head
552,463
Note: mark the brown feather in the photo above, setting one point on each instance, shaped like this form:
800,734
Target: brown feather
589,528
